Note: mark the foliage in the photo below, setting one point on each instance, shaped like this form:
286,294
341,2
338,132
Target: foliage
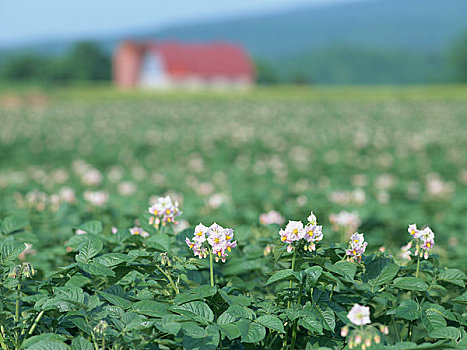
458,58
85,62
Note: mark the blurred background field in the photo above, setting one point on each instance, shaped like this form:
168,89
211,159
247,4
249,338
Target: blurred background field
390,156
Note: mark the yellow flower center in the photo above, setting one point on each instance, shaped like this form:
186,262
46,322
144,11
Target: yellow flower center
428,244
229,249
216,240
283,238
199,233
228,237
219,253
167,211
355,240
295,231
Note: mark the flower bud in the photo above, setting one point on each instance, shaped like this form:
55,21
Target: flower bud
28,270
15,272
377,339
368,342
101,327
358,339
344,332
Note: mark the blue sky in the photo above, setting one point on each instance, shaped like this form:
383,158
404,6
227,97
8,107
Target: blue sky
29,21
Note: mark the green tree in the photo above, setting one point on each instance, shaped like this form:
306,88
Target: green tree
26,66
458,58
265,73
86,62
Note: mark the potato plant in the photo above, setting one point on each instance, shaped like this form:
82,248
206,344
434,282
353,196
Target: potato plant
143,288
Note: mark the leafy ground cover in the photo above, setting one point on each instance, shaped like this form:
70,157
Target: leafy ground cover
83,265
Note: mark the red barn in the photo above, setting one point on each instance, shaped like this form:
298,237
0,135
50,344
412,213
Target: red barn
173,64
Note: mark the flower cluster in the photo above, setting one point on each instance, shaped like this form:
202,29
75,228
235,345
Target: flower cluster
213,239
271,217
295,231
138,231
164,211
362,337
357,246
424,240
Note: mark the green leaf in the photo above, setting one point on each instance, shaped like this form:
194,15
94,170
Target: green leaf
96,269
12,224
433,319
46,336
81,343
313,274
251,332
159,241
446,333
453,276
150,308
345,269
281,275
327,318
48,345
408,310
111,259
461,299
311,323
231,331
411,283
209,341
271,322
195,308
387,274
226,317
93,227
89,249
72,295
115,300
10,250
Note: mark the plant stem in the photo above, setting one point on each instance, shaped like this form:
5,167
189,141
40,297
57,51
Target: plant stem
174,286
103,342
36,321
2,343
211,268
418,266
294,329
284,345
18,295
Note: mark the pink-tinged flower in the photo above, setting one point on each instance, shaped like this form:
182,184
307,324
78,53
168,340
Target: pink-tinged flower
344,332
165,210
138,231
413,230
271,217
294,230
80,232
345,221
357,247
359,315
200,233
96,198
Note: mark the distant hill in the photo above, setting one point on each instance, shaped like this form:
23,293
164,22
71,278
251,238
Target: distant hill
305,38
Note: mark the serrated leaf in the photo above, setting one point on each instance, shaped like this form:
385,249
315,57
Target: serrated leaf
89,249
271,322
432,319
408,310
411,283
12,224
454,276
446,333
230,330
311,323
10,250
251,332
150,308
387,274
81,343
111,259
93,227
96,269
327,318
48,345
313,274
195,308
281,275
345,269
160,242
115,299
46,336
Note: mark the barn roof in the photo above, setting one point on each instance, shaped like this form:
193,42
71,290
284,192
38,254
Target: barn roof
206,60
